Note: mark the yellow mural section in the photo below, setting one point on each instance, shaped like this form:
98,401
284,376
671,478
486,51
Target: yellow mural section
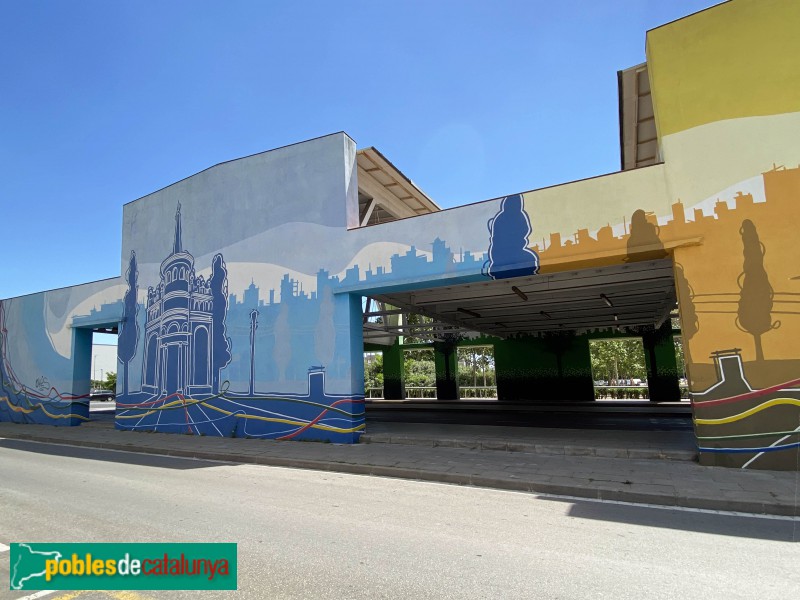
725,206
735,60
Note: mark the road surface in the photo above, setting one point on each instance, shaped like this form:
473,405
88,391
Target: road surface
308,534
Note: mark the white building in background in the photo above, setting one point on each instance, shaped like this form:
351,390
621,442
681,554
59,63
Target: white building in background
104,360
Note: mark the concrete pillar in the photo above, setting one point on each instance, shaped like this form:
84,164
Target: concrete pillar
81,374
445,356
662,366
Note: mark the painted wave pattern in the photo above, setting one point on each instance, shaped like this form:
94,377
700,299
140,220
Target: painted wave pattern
311,416
42,403
786,394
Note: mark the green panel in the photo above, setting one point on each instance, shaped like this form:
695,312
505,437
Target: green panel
445,357
662,366
555,367
393,386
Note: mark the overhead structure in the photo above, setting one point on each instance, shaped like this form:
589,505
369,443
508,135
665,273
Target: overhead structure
384,193
615,297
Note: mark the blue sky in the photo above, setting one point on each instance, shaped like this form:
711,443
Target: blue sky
103,102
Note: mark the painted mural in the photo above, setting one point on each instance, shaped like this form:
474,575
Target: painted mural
239,304
186,346
45,347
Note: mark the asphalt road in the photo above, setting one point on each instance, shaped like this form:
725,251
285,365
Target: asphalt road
307,534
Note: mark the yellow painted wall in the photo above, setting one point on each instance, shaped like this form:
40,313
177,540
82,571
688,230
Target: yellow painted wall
738,59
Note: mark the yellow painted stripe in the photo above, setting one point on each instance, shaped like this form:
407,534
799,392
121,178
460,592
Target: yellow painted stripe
28,411
285,421
69,595
127,595
750,412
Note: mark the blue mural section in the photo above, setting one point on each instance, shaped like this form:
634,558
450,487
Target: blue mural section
44,374
269,359
39,401
509,252
190,384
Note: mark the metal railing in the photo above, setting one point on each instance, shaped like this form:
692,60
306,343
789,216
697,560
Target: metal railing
429,392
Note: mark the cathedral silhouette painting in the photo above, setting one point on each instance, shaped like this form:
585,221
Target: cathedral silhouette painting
186,348
185,342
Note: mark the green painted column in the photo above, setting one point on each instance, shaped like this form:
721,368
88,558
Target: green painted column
393,385
445,357
662,366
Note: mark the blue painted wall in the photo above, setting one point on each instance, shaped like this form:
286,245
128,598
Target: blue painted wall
239,304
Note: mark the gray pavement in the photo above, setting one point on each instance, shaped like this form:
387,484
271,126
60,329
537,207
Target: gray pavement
627,471
671,445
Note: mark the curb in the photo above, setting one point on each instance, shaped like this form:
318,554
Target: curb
510,484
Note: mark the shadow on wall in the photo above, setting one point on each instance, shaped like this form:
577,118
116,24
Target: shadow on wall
755,292
644,238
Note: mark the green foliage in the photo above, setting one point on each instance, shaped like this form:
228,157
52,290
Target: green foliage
110,383
476,366
415,319
622,393
373,370
419,369
614,360
680,359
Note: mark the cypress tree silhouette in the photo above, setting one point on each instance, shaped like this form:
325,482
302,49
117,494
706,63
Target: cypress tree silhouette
509,255
129,331
221,343
756,294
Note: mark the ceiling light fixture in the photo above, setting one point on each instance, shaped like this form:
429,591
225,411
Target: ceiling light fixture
519,293
545,315
471,313
616,317
606,300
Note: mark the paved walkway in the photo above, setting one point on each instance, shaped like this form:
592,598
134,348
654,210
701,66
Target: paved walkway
632,479
603,443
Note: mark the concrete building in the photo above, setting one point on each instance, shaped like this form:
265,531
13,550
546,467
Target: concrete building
240,310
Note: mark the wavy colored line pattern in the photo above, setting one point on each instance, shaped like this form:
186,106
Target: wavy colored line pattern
755,394
30,402
750,412
243,408
747,435
750,450
39,406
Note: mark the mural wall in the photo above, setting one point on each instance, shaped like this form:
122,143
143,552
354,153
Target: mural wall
243,308
45,351
239,300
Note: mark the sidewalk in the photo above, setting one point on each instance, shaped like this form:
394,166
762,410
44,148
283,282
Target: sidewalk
545,470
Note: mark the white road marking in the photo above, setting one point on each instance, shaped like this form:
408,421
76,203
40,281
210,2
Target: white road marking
729,513
41,594
4,548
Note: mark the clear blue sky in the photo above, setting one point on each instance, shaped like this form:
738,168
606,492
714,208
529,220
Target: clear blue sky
102,102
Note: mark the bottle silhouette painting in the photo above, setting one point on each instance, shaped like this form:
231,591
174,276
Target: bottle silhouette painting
644,237
509,255
756,294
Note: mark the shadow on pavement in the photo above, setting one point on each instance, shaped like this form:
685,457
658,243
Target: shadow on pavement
772,529
117,456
